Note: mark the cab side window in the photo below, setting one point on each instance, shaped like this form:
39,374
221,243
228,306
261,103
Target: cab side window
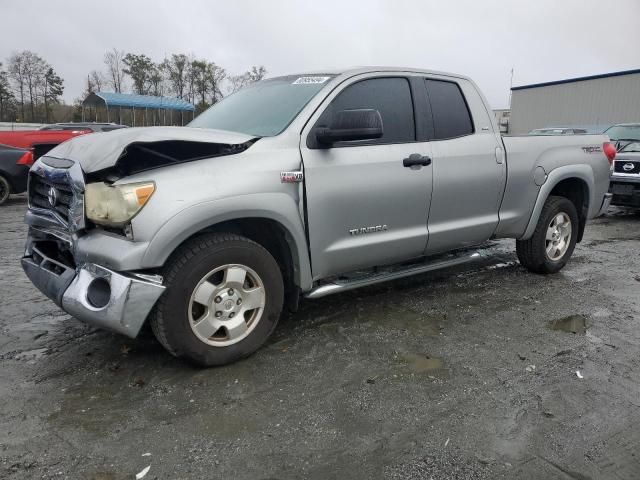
390,96
451,117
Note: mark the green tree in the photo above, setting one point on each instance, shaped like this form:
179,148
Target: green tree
53,90
139,68
6,95
177,68
200,75
157,80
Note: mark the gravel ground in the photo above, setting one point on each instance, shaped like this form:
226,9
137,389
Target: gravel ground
470,373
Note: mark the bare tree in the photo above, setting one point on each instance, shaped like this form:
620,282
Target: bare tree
98,80
191,80
114,60
17,75
215,76
27,70
256,73
238,82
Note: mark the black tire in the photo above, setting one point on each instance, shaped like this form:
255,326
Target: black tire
5,190
532,253
170,319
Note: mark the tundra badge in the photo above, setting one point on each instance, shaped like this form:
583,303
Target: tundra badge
361,230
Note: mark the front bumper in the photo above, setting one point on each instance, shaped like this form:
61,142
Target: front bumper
625,190
94,294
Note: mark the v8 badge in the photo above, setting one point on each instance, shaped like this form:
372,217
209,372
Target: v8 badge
291,177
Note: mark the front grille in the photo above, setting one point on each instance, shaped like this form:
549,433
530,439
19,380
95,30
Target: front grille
39,195
631,167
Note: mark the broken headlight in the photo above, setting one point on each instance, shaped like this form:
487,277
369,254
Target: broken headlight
116,205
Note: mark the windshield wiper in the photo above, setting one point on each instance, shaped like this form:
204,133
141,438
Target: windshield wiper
618,142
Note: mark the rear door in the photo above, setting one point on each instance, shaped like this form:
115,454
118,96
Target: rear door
364,207
469,172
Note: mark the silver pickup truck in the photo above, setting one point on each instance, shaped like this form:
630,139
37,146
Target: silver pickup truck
302,185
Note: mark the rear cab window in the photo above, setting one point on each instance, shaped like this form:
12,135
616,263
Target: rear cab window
451,115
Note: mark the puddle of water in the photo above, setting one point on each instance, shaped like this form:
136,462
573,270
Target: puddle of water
422,363
572,324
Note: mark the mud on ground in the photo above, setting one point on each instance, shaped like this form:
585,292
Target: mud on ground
470,373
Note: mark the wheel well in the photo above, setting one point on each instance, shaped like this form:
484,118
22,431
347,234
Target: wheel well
271,235
577,191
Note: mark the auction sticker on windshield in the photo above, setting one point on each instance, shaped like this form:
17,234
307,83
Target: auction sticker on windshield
310,80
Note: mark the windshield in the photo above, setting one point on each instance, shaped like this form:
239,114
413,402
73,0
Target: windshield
263,109
623,132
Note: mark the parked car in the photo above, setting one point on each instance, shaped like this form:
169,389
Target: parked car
558,131
625,177
309,184
623,134
39,141
93,126
14,170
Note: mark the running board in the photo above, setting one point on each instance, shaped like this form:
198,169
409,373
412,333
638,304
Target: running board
342,285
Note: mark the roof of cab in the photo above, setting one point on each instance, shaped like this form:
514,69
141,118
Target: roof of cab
349,72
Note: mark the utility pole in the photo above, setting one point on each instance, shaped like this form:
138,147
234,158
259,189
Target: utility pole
510,88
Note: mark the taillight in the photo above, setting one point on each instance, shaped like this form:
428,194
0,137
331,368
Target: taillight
609,150
26,159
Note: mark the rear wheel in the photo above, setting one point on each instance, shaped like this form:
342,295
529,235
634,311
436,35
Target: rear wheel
5,189
553,241
223,299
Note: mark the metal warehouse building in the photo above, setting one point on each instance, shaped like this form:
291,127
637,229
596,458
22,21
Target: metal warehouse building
596,100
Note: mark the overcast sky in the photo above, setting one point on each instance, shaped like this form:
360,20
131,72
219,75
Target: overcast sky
541,40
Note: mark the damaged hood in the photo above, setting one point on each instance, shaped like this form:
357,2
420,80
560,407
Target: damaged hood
101,151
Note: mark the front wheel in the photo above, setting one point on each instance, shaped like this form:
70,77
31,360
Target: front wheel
553,241
223,299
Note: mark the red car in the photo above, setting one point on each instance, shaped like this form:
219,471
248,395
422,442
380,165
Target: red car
39,141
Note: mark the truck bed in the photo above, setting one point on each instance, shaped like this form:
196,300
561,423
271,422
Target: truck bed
532,159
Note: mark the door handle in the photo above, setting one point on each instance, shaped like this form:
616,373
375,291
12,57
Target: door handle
416,160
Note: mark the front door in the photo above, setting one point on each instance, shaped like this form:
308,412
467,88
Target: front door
365,207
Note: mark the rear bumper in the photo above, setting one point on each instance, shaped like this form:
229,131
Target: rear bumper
606,201
94,294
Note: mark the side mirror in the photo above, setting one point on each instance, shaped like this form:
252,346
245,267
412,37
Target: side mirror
348,125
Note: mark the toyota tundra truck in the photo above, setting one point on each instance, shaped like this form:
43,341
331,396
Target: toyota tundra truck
298,186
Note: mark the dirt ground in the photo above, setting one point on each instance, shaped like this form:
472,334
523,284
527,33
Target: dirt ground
470,373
